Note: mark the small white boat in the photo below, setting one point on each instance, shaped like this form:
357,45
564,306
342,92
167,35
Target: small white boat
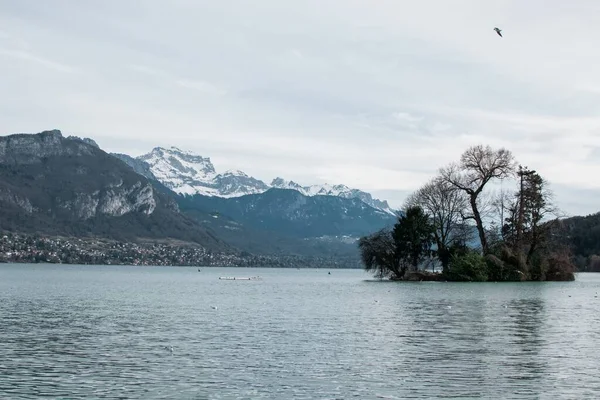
238,278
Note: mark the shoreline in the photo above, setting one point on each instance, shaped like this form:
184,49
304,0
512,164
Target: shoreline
2,262
24,248
425,276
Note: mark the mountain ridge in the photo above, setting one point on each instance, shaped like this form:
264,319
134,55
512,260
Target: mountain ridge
187,173
287,211
52,184
68,186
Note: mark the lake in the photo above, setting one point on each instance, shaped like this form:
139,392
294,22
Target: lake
105,332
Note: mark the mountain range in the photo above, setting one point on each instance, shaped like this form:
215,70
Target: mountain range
56,185
187,173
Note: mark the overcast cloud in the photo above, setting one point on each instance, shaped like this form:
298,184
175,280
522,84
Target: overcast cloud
373,94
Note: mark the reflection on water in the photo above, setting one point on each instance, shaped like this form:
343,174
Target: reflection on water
89,332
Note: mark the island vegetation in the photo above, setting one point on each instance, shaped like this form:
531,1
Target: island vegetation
457,224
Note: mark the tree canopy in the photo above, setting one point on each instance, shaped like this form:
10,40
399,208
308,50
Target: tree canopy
391,253
447,210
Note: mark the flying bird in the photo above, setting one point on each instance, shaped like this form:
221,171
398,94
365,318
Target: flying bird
498,31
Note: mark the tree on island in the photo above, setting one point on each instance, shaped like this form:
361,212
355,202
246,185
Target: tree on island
445,206
391,253
520,247
527,243
477,167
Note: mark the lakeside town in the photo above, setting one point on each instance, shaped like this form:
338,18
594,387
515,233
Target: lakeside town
20,248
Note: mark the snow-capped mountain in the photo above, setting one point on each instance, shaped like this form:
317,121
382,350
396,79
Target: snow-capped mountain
333,190
187,173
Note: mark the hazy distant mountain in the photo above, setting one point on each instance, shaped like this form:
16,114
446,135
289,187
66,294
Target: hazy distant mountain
187,173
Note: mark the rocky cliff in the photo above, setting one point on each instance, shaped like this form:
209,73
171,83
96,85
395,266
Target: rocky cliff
53,184
48,160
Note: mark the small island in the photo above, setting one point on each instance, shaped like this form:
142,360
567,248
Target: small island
464,230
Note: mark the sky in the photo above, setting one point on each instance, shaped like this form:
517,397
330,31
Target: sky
374,94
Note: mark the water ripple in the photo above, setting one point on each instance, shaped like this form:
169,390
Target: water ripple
107,332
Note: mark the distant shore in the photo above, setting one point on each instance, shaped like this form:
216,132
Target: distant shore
22,248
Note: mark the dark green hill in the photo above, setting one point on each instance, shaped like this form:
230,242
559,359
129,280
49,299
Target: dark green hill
289,213
582,235
54,185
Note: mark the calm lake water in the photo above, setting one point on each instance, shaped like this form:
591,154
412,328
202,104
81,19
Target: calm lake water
101,331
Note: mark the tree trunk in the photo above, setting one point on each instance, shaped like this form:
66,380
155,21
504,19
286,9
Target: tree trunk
444,256
403,270
521,214
479,223
528,260
532,245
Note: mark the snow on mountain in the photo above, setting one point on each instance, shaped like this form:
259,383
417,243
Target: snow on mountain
187,173
237,183
333,190
181,171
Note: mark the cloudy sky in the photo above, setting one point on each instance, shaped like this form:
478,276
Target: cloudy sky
375,94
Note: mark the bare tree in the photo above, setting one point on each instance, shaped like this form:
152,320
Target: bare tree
445,205
502,202
478,166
